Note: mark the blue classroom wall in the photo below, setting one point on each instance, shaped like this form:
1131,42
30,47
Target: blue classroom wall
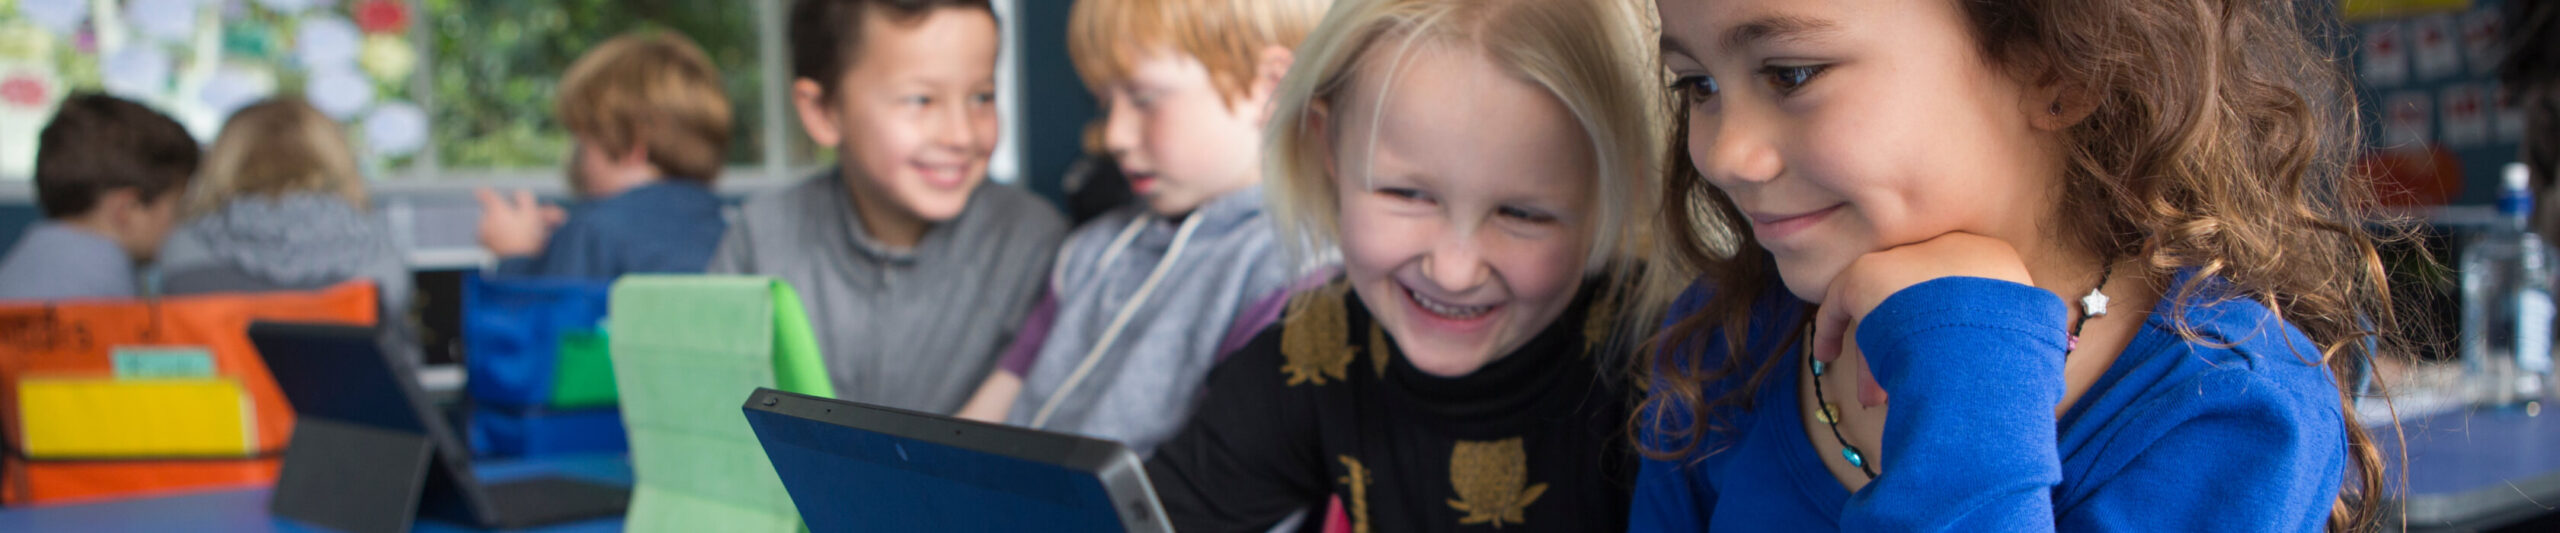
15,218
1055,104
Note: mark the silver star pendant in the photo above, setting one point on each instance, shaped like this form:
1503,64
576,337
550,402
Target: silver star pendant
2094,305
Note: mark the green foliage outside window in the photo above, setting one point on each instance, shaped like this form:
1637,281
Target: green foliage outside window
497,64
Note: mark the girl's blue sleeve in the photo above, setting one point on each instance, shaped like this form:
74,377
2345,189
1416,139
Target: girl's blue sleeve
1974,370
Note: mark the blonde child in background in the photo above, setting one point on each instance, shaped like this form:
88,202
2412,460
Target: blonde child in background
281,206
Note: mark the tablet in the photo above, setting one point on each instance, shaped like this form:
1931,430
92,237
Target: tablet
859,467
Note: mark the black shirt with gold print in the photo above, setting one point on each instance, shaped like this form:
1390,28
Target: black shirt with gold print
1321,409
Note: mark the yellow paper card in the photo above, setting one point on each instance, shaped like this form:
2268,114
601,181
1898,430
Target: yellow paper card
112,418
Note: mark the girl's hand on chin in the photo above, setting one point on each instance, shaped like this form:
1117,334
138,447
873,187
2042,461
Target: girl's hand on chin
1878,275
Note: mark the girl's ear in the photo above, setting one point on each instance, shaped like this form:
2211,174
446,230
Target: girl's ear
2056,105
1316,132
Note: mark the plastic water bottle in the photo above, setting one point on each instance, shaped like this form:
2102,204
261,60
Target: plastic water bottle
2507,306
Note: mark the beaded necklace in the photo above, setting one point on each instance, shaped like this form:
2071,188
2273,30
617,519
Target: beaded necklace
2092,305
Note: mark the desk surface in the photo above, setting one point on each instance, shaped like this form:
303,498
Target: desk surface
2475,469
2469,470
245,510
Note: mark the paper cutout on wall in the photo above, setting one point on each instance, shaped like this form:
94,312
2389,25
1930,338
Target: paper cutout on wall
290,7
235,86
2482,47
249,39
2373,9
168,21
2435,46
382,16
388,58
324,43
137,72
25,42
62,17
2466,116
396,128
2408,120
27,89
2386,55
341,93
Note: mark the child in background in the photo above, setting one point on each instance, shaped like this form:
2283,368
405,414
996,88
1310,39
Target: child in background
651,123
914,274
1477,165
2096,265
281,206
1144,298
109,175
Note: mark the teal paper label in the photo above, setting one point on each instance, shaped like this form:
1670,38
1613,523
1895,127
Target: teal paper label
163,362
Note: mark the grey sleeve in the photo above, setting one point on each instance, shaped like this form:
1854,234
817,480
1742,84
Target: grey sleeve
734,255
184,249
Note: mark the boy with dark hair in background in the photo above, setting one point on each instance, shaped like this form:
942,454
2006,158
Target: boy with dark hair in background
109,175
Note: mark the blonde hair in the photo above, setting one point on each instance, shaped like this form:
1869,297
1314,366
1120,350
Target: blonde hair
1576,51
1105,37
276,147
651,89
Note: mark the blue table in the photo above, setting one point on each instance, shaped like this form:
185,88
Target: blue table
245,510
2473,470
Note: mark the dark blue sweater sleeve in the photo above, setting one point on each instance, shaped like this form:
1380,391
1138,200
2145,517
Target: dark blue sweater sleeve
519,266
579,248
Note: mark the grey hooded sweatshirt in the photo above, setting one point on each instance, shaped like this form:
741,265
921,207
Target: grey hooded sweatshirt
1143,305
296,241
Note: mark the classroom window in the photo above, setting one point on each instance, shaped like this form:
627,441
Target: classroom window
428,89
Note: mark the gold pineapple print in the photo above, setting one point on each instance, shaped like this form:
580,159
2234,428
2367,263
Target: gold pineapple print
1492,482
1356,477
1599,324
1316,337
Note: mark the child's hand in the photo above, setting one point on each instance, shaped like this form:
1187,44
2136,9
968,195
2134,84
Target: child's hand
1878,275
515,226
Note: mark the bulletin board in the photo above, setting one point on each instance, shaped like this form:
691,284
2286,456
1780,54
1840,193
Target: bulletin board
200,60
2436,117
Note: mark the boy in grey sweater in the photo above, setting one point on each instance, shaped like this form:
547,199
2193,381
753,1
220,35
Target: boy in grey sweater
914,275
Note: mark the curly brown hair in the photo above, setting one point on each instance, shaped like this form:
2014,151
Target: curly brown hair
2221,142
